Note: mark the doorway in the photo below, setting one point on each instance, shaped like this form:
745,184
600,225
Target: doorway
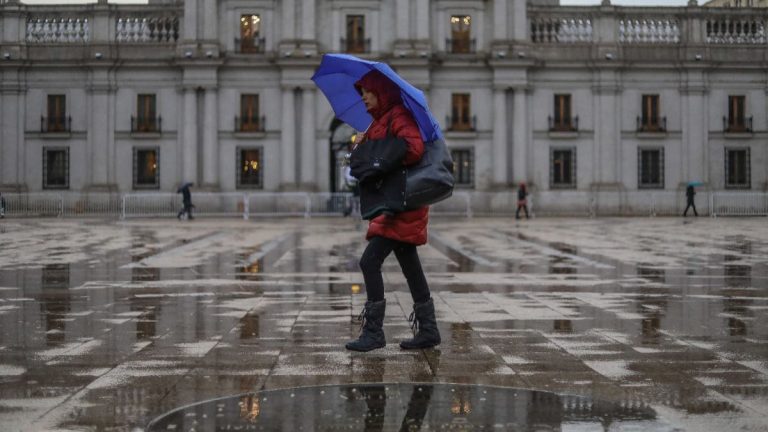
341,138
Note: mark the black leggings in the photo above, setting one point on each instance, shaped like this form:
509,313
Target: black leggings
377,251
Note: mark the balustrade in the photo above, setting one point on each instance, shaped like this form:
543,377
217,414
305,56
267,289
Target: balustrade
147,30
58,30
649,31
735,30
636,25
561,29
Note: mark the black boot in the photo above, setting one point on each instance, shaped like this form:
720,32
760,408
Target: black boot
372,334
425,326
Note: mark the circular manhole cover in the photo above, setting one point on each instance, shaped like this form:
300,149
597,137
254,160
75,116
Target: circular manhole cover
407,407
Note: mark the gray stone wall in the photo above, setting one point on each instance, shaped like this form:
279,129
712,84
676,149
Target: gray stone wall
101,56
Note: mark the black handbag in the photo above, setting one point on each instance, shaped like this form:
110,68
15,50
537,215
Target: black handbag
375,158
427,182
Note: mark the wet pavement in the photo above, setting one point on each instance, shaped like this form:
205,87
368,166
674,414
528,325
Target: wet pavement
108,325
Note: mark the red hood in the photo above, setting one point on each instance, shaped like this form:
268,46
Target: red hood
387,92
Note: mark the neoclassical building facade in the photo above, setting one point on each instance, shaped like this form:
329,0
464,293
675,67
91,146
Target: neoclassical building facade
571,100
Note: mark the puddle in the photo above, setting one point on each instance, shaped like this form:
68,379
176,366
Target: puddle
408,407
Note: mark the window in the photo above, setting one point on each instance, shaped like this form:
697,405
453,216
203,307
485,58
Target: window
250,34
146,172
57,117
55,168
650,121
249,173
562,168
463,166
563,120
146,120
355,41
249,120
460,119
737,173
460,31
736,119
650,170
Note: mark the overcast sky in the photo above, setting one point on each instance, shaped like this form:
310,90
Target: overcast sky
630,2
563,2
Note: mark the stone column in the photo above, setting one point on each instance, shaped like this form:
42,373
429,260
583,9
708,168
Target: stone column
211,18
499,20
520,135
308,142
402,12
190,20
336,30
289,19
694,158
422,19
12,111
98,136
211,138
308,20
189,137
519,20
607,140
500,151
288,141
101,136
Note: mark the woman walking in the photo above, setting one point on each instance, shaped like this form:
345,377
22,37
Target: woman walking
399,233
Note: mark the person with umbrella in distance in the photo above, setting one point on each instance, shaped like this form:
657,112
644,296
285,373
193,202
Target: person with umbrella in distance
186,198
690,192
385,103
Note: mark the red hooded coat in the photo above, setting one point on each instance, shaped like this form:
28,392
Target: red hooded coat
409,226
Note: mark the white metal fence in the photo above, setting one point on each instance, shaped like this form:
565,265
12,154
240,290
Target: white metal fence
739,204
306,204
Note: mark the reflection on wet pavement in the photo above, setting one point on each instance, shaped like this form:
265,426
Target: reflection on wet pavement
408,407
105,326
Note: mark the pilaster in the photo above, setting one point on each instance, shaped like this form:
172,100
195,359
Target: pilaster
520,135
101,131
188,143
288,140
210,139
12,109
309,178
500,147
695,155
607,114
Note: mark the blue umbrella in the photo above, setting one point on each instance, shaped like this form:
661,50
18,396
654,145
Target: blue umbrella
695,183
336,78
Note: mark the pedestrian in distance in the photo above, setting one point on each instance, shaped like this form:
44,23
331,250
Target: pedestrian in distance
186,198
399,232
2,206
522,200
351,183
689,194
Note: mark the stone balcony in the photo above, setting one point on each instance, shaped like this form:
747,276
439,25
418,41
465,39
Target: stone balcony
48,33
555,34
606,34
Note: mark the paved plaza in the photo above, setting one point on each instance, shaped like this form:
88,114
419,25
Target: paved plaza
107,325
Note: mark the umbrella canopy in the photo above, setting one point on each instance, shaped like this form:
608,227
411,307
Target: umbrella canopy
336,77
185,185
695,183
